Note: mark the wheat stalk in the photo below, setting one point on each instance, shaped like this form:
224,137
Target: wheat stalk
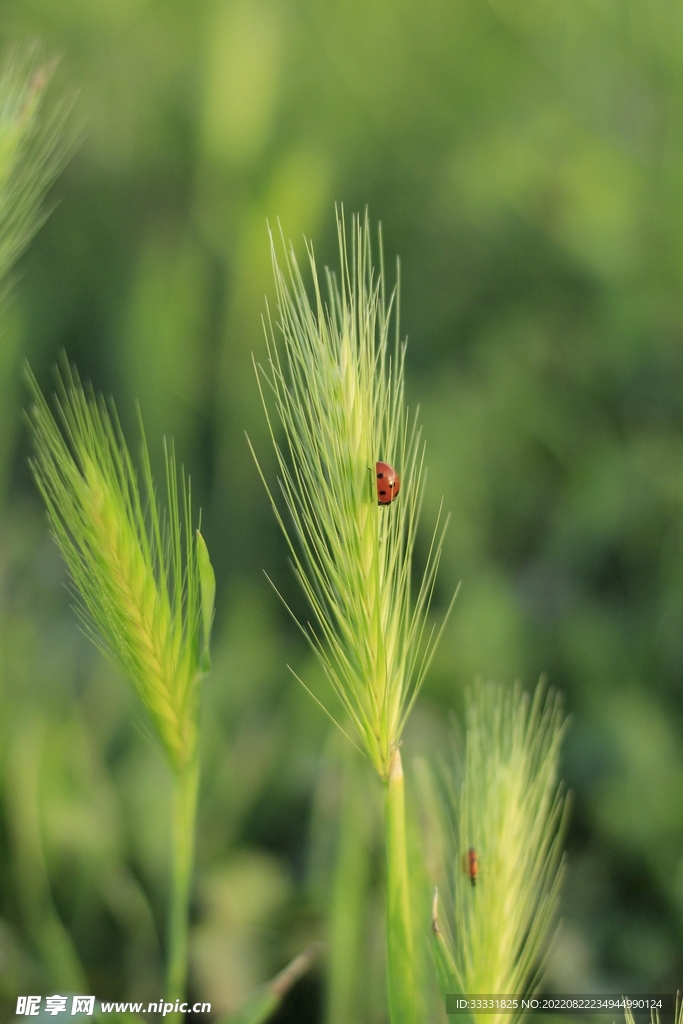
335,381
145,590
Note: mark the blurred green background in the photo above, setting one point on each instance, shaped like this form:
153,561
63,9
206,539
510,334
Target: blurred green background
526,162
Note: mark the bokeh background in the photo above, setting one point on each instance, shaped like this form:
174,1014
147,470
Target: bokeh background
526,162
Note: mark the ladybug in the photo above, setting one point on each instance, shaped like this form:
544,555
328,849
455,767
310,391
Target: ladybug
472,865
388,483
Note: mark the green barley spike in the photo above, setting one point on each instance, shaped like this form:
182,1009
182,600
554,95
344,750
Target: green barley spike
146,589
334,379
493,934
140,575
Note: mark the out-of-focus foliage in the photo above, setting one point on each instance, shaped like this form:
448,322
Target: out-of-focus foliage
525,162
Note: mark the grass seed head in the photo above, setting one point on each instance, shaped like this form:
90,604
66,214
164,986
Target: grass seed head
493,936
145,582
334,379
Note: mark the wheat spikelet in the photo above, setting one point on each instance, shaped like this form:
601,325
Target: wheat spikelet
509,809
139,576
336,380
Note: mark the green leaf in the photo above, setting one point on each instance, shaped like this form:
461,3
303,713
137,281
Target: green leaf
207,585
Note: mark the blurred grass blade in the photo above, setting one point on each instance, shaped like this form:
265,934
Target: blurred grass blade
261,1006
33,149
54,946
447,971
400,964
207,583
654,1014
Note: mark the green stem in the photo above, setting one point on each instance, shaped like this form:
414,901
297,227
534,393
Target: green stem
400,966
349,897
183,828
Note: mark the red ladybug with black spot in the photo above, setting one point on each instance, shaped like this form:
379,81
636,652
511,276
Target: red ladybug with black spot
388,483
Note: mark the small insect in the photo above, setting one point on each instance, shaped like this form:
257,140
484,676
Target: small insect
388,483
471,865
